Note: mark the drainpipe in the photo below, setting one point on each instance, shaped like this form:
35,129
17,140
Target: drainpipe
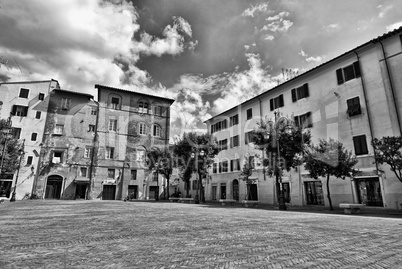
392,87
263,151
367,106
93,149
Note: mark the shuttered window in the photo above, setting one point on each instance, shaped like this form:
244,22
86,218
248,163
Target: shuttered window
300,92
353,106
276,102
304,120
360,144
348,73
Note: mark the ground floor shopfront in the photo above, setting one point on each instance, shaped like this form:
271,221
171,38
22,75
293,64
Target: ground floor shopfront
369,188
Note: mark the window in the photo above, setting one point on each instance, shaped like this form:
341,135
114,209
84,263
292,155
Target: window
215,168
347,73
224,167
29,160
83,171
141,128
88,152
251,162
38,114
20,111
353,106
235,165
115,103
218,126
93,111
17,133
112,125
156,131
234,120
249,137
57,157
110,173
157,110
234,141
304,121
140,155
143,107
91,128
223,144
300,93
41,96
59,129
34,136
249,113
360,144
65,103
109,153
133,174
24,93
276,102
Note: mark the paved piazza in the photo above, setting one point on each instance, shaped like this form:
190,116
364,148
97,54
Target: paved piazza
115,234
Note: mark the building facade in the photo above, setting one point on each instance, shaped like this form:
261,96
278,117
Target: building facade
26,104
353,98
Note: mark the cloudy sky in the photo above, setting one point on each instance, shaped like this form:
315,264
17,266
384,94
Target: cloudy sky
208,55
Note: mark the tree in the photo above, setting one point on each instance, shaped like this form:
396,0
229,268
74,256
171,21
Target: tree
161,161
329,158
389,150
193,143
245,175
10,146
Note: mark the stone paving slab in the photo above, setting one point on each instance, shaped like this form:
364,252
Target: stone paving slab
114,234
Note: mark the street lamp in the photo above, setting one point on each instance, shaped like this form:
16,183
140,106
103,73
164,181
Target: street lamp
281,124
21,153
199,157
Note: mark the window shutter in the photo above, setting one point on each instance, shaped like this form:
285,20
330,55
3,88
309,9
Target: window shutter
339,76
309,120
281,103
294,98
25,111
357,69
306,93
14,110
271,104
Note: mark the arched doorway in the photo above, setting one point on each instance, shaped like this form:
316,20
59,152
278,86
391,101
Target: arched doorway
236,190
53,187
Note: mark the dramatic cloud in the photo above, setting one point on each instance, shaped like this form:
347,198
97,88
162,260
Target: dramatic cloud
260,8
394,26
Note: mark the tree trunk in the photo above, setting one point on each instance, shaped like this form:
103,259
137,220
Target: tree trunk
329,195
167,189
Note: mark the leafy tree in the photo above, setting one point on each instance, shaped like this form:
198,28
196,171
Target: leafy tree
161,161
389,150
245,175
189,144
10,147
329,158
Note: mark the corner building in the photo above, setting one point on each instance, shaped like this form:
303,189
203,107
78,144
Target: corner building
352,98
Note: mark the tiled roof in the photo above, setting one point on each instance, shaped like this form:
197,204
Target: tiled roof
112,88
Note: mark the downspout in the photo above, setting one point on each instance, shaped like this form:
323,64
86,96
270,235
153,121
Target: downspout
392,87
367,106
263,151
93,148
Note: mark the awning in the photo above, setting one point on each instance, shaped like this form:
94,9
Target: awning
366,172
109,181
81,180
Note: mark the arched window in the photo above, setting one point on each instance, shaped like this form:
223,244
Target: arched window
143,107
141,128
156,130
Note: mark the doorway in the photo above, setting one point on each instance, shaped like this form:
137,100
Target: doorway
369,191
154,192
80,191
253,192
132,191
109,192
223,190
314,195
214,191
53,187
236,190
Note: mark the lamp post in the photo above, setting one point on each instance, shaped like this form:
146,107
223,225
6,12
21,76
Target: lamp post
198,156
281,124
21,153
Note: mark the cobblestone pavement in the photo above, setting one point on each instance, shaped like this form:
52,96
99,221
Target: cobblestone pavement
114,234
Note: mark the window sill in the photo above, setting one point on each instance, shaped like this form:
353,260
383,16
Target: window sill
364,155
